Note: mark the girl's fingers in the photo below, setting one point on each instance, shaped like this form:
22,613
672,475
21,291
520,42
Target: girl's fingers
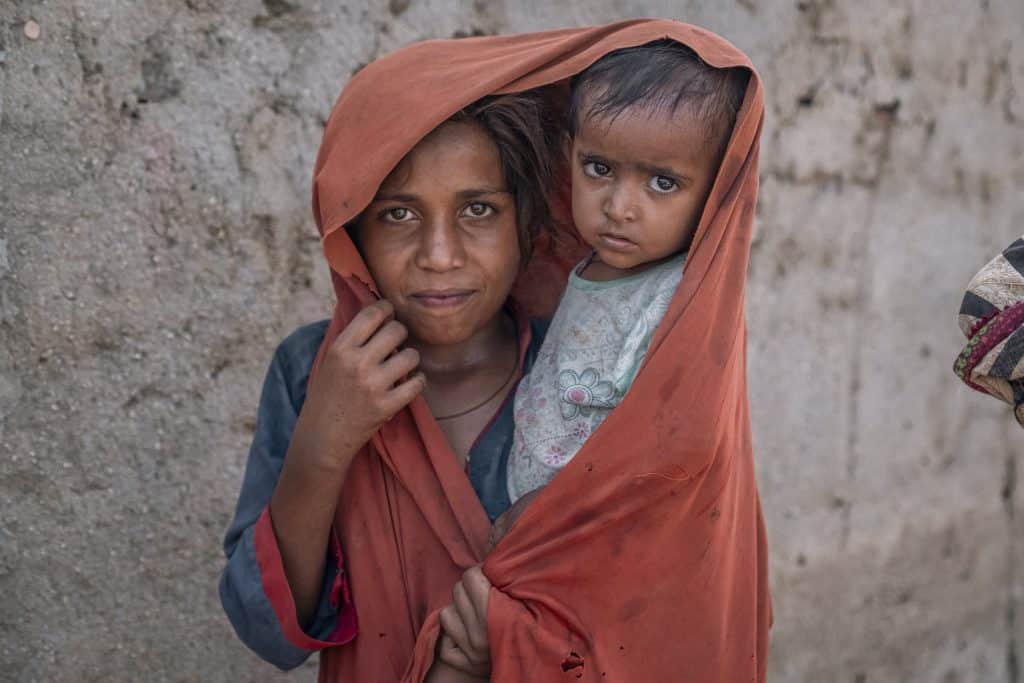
403,394
365,323
399,365
384,341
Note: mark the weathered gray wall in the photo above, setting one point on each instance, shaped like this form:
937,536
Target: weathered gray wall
156,242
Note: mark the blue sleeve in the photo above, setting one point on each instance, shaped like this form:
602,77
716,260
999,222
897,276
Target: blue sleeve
241,587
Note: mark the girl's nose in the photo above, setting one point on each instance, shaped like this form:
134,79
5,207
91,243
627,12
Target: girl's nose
441,248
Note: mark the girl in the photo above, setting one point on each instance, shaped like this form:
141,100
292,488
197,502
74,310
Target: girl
444,238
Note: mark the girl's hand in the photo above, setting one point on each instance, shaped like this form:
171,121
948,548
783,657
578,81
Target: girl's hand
361,385
467,647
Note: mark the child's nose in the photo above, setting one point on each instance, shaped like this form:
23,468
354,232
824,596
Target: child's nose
621,205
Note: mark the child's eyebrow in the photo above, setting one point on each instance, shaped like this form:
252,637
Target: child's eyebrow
645,166
655,169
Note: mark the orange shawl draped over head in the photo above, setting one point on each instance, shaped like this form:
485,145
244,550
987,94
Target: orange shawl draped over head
645,558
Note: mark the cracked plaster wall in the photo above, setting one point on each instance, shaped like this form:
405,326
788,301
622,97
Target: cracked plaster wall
156,243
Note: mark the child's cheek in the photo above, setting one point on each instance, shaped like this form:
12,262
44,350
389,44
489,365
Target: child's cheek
586,209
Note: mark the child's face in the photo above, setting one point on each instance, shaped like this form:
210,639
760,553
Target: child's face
639,183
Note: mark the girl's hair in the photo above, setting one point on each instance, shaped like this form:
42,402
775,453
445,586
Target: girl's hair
529,138
660,76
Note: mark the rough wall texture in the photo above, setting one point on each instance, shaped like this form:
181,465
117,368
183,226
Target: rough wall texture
156,243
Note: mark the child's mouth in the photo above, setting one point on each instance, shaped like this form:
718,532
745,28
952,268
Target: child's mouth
615,242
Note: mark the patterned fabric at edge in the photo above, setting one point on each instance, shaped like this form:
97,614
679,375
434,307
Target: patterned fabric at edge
992,319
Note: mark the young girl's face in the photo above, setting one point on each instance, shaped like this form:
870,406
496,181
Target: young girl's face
639,183
440,236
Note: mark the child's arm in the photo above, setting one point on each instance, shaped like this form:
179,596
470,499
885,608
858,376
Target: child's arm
505,521
444,673
441,671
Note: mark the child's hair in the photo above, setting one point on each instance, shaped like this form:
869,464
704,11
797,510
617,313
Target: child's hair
529,138
660,76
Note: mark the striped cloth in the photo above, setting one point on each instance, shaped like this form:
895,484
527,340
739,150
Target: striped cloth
992,318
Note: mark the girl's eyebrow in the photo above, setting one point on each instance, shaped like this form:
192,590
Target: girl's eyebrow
470,193
397,197
475,192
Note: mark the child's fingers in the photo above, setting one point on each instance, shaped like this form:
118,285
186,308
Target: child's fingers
478,589
454,628
449,653
477,647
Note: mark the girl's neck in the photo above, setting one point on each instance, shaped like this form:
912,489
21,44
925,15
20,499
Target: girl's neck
451,363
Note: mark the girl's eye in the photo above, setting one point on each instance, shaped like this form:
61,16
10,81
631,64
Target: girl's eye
479,210
398,214
662,184
595,169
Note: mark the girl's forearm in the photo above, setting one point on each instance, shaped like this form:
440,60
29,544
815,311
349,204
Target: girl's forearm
302,511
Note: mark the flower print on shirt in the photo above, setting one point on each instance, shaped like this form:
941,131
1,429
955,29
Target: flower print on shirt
583,392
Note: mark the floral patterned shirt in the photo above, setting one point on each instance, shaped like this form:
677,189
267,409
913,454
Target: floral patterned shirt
590,356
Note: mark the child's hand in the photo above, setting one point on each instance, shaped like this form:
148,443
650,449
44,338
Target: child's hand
506,519
361,384
442,672
464,643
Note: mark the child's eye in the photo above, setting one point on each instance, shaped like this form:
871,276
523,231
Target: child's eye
595,169
397,214
478,210
662,184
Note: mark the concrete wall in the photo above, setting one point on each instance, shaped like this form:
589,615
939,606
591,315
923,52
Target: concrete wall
156,242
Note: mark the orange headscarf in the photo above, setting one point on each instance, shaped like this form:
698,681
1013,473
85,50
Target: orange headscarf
645,558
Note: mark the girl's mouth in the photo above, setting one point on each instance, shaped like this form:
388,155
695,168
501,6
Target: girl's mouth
442,298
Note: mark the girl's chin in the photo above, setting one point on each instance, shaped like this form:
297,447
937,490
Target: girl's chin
446,330
440,334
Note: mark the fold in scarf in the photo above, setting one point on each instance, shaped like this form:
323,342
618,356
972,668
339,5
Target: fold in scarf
645,558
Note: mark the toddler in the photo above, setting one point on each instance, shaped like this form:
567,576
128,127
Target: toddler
648,127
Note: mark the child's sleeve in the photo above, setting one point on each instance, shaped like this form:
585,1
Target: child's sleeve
253,589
